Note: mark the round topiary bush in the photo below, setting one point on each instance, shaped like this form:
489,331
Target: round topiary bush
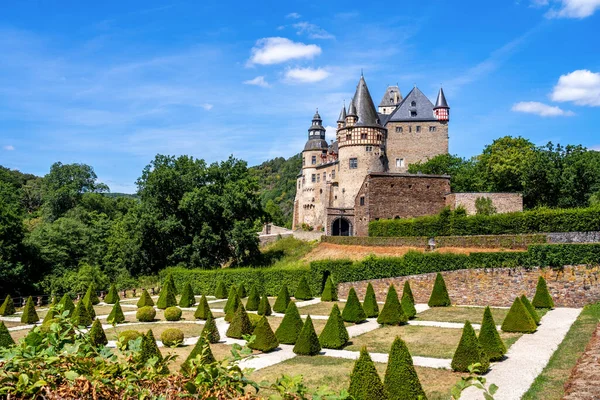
145,314
125,337
173,314
172,337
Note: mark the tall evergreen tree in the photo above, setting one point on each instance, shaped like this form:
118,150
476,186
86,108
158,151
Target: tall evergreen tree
401,381
353,311
202,349
221,290
489,337
282,301
166,297
439,294
370,303
242,291
518,319
334,335
365,383
149,348
290,326
232,304
81,317
91,296
392,312
66,303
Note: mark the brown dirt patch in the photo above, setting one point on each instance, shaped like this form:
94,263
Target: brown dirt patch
584,382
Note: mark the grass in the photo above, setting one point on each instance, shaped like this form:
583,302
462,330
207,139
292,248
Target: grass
549,385
323,308
287,253
189,330
462,314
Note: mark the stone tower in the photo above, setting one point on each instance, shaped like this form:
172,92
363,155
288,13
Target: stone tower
390,100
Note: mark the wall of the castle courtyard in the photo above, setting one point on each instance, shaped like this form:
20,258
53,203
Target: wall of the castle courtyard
350,179
504,202
413,146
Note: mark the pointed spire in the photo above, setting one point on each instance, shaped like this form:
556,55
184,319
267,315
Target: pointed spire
342,117
441,100
364,107
352,109
317,117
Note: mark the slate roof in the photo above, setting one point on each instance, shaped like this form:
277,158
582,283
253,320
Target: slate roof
365,109
441,100
342,117
391,97
423,108
316,144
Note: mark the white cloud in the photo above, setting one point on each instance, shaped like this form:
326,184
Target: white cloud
572,8
305,75
275,50
9,147
258,81
312,31
596,148
207,106
581,87
293,15
330,133
541,109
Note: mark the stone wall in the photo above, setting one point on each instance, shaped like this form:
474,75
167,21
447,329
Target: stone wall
573,237
575,286
504,202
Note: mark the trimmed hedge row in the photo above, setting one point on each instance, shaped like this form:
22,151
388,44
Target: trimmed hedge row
533,221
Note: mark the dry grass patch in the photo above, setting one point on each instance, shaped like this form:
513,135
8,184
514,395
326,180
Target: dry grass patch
322,308
219,350
462,314
189,330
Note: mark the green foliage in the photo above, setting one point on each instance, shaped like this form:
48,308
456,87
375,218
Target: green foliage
202,349
484,206
166,296
334,335
439,295
91,296
126,337
66,304
112,296
81,316
221,290
264,307
253,299
542,297
241,291
5,339
353,311
489,337
408,301
370,303
392,312
145,314
97,335
303,290
145,300
469,351
519,319
531,309
233,303
476,381
149,349
90,309
282,301
401,381
265,340
203,309
172,314
254,318
329,291
365,383
210,330
290,326
240,325
7,307
116,314
307,343
29,315
187,297
172,337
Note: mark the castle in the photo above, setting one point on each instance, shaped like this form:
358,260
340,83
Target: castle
362,175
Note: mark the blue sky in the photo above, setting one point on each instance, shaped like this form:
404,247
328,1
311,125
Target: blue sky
111,83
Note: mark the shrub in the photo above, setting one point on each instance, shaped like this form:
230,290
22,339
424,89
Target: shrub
370,303
91,295
5,339
307,343
116,314
49,317
232,304
90,309
392,312
329,291
365,383
221,291
171,282
149,348
439,294
283,299
112,296
408,301
202,349
187,297
407,291
145,314
290,326
542,298
127,336
253,299
401,381
203,309
303,290
254,318
265,338
353,311
242,291
531,309
172,337
518,319
264,308
29,315
469,351
173,314
66,303
80,316
166,297
210,330
97,335
334,335
8,307
490,339
145,300
240,325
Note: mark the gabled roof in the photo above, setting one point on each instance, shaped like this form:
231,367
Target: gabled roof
365,109
422,106
391,97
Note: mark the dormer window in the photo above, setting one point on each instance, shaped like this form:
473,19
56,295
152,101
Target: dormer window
413,103
413,113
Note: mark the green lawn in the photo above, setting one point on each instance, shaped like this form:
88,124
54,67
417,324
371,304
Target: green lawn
462,314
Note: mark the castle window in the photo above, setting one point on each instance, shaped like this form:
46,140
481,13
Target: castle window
413,103
399,162
418,129
398,129
303,161
369,148
410,129
413,113
313,160
333,174
353,163
318,177
349,137
303,179
432,129
362,200
313,178
379,137
363,136
324,176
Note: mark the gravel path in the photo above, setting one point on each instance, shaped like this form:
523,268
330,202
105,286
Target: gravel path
383,358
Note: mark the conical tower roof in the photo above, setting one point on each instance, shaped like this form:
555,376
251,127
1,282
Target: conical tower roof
352,109
365,109
342,117
441,100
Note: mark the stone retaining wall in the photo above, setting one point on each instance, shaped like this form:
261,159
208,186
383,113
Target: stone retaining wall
574,286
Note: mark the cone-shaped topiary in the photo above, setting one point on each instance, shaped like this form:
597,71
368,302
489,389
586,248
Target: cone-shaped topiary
210,330
469,351
253,299
283,299
149,348
187,296
52,311
392,312
265,338
5,339
112,296
303,290
242,291
290,326
90,309
240,325
307,343
531,309
408,302
66,303
8,307
353,311
439,294
518,319
91,296
80,316
145,300
401,381
171,282
329,291
334,335
97,335
221,290
407,291
233,302
490,338
542,298
365,383
203,309
29,315
202,348
264,307
116,314
166,297
370,304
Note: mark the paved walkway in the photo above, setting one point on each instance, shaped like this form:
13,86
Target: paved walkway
383,358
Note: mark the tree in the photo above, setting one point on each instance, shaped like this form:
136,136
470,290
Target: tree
149,348
392,312
370,303
503,164
439,295
465,177
365,383
232,304
307,343
80,316
401,381
353,311
531,309
265,338
166,297
290,326
469,351
66,303
334,335
484,206
489,337
542,297
242,291
221,290
8,306
91,296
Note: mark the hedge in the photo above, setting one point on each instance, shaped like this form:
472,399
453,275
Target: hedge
533,221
